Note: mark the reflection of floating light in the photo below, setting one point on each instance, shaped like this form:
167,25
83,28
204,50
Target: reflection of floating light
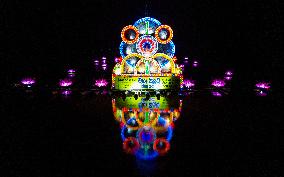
66,92
217,94
263,85
104,65
261,93
218,83
101,83
28,81
188,83
228,78
65,82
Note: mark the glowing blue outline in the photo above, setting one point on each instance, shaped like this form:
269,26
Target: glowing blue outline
122,44
147,19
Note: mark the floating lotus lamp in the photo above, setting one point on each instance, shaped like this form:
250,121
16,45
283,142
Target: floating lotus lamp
218,83
65,82
101,83
28,81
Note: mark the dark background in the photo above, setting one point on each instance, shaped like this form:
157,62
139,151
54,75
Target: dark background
41,38
42,134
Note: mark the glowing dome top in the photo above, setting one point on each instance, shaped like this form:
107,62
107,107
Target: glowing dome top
147,51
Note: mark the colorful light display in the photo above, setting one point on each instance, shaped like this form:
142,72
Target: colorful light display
147,58
146,124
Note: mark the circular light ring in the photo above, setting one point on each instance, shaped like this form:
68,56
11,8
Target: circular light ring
125,29
127,57
131,145
166,57
141,20
147,40
161,149
158,30
168,49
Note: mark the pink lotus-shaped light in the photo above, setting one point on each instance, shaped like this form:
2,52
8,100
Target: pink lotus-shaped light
218,83
28,81
65,82
228,73
71,71
188,83
263,85
101,83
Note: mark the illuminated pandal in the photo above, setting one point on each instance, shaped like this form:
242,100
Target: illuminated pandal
147,58
146,124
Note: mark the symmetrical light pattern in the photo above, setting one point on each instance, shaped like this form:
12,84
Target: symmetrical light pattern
218,83
146,124
65,82
101,83
164,30
146,50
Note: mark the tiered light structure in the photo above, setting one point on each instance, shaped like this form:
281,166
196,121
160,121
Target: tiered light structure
146,124
147,58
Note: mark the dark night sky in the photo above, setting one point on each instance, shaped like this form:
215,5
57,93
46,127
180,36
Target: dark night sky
42,37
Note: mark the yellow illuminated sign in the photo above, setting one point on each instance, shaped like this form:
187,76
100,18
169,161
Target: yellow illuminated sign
146,82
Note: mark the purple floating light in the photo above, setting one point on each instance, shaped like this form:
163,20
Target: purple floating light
263,85
28,81
228,78
218,83
66,92
261,93
195,63
71,71
101,83
188,83
228,73
65,82
217,94
96,62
